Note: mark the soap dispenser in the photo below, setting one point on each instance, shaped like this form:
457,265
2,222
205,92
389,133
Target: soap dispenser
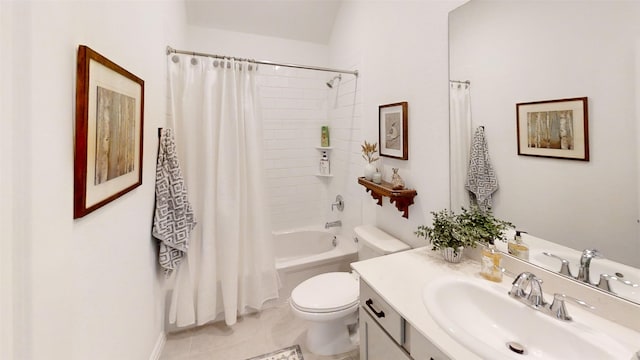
517,247
490,265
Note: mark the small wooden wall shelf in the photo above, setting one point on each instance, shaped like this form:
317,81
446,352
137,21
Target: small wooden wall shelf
402,198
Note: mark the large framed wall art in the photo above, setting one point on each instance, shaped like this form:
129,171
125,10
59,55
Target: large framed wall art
108,132
554,128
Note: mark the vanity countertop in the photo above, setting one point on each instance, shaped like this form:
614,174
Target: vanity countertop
400,278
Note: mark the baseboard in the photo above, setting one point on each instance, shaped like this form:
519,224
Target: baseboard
157,350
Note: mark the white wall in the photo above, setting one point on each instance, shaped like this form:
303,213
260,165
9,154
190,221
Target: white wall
89,288
400,49
252,46
7,300
520,52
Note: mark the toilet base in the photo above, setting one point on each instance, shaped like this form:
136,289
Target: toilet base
329,338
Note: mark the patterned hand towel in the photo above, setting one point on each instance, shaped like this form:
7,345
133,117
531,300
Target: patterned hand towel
173,217
481,178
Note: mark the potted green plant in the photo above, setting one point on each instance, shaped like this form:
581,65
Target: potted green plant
450,233
446,235
482,226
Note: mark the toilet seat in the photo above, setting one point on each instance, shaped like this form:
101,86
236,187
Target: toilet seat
326,293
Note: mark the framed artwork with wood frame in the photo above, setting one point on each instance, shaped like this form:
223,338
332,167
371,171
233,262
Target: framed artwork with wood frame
108,132
554,128
393,130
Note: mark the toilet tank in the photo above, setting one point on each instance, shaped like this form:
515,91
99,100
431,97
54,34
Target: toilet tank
373,242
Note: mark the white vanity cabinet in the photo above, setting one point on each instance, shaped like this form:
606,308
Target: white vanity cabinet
420,348
375,344
385,335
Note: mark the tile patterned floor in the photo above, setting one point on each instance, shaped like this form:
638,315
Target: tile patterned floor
253,335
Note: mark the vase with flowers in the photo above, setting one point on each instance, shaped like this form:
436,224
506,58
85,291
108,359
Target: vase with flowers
369,151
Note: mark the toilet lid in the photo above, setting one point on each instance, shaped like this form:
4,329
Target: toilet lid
326,292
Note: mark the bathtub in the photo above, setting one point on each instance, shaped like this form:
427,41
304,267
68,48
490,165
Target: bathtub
302,254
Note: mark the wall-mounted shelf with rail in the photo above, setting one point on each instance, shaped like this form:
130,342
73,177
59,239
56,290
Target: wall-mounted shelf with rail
401,198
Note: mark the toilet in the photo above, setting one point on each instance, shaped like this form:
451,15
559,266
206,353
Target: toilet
329,302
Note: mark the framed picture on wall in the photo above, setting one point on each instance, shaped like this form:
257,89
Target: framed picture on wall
554,128
393,130
109,128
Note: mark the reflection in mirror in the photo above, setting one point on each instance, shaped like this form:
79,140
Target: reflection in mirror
523,51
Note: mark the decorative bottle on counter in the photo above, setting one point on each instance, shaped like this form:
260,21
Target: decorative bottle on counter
517,247
490,264
396,181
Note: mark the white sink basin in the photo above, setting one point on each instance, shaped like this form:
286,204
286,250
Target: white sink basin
598,266
484,318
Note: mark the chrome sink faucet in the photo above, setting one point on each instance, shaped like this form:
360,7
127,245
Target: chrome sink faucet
603,283
585,264
535,298
585,269
524,281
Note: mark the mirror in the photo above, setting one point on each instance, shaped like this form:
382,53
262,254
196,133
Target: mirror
523,51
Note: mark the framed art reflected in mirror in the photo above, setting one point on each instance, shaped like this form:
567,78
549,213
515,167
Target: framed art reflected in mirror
554,128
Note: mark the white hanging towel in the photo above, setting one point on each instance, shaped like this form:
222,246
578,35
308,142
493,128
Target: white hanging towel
481,178
173,217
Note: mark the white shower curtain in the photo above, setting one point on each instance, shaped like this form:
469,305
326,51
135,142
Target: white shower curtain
459,142
230,265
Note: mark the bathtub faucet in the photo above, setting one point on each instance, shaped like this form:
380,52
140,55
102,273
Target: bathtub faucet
333,224
338,204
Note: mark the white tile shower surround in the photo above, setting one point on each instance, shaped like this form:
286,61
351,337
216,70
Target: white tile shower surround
253,335
294,107
295,104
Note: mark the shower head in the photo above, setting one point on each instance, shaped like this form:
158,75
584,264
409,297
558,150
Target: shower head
330,82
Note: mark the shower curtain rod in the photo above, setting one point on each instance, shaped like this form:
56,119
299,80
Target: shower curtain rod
171,50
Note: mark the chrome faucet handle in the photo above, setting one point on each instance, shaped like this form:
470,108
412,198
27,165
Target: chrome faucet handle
535,297
604,282
558,308
520,284
339,204
564,268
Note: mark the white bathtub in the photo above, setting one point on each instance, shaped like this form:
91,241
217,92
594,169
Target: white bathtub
302,254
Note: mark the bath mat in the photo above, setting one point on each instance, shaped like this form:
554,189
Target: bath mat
288,353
